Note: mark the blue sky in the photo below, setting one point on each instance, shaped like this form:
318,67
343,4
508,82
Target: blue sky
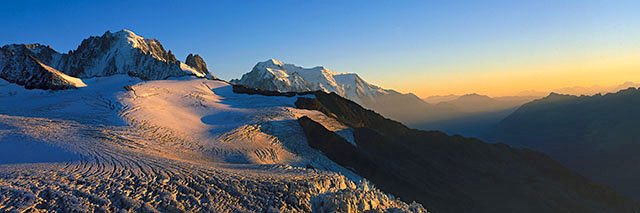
398,44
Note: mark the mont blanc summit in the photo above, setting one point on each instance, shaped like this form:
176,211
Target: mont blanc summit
275,75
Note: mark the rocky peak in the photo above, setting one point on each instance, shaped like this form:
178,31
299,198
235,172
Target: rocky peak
122,52
197,63
43,53
33,74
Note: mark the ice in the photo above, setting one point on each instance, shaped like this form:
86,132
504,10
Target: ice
182,144
18,151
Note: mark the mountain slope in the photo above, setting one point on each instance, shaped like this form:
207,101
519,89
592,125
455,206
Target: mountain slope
593,90
199,145
129,143
122,52
475,103
274,75
20,67
440,98
49,78
449,173
470,115
594,135
198,64
180,145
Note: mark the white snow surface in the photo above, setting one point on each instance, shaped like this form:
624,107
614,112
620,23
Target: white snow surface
184,144
278,76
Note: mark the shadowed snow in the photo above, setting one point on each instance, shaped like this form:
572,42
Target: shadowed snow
171,145
15,152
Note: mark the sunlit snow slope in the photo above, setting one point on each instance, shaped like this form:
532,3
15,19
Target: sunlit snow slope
184,144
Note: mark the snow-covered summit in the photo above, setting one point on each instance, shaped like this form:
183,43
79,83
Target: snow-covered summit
275,75
272,61
128,39
122,52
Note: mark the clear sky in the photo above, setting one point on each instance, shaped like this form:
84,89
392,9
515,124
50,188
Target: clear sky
425,47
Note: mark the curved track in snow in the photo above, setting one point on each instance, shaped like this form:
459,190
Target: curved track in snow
178,145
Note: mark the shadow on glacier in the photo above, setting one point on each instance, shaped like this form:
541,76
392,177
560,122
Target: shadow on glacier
18,151
292,137
95,104
242,108
225,121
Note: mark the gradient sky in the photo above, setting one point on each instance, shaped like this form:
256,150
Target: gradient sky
425,47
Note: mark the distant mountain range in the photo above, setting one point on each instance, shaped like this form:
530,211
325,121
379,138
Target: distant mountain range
475,103
122,52
469,115
598,135
451,173
582,90
274,75
440,98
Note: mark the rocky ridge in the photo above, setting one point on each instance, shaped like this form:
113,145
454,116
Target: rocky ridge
122,52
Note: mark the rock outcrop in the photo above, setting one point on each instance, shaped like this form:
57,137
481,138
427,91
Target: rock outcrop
19,65
122,52
197,63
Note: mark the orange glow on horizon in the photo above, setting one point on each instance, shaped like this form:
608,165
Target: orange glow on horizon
506,82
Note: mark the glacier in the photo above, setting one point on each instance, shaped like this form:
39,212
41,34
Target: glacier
181,144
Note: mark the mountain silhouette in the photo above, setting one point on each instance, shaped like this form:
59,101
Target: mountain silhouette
597,136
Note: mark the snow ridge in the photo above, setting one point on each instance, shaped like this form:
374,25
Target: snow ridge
122,52
275,75
180,145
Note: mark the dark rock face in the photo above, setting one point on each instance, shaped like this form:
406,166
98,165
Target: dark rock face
597,136
453,173
33,74
13,53
253,91
46,77
197,63
334,146
122,52
19,65
350,113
